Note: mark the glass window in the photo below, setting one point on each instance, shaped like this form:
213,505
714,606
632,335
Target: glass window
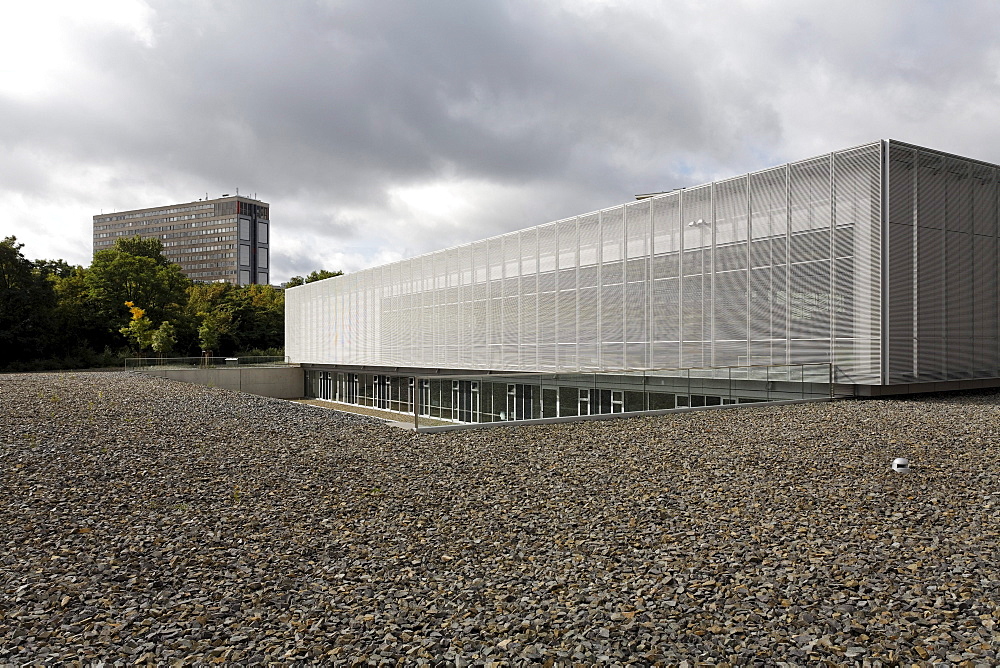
262,258
262,233
245,255
244,230
244,277
262,278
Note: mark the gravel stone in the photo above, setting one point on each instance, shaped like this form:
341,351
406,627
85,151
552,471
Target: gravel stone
152,522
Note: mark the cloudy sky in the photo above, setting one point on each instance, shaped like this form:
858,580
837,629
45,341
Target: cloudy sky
383,129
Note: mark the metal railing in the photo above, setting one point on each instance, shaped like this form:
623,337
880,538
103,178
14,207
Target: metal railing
140,363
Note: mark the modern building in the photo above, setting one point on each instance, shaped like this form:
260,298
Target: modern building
867,271
213,240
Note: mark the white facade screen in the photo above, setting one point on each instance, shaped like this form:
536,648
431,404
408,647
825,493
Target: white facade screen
781,266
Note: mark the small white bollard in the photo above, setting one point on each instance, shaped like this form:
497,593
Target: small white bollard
901,465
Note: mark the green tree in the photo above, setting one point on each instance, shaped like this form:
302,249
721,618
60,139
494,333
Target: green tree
296,281
213,326
57,268
135,270
27,305
164,338
258,318
207,308
140,329
79,324
15,269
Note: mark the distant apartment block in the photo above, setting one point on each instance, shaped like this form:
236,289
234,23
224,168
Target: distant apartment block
216,240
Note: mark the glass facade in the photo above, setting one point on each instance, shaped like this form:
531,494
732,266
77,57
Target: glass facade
501,398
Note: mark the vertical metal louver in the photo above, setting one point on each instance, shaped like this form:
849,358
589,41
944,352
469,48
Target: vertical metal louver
665,282
901,363
636,305
856,269
730,301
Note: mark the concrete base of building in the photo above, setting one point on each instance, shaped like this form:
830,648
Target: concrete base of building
925,388
276,382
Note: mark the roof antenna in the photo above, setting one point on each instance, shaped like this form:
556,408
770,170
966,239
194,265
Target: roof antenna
237,191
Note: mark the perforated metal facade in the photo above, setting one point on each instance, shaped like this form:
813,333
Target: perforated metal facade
942,283
782,266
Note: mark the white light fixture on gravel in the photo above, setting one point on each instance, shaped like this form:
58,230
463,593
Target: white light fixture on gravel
901,465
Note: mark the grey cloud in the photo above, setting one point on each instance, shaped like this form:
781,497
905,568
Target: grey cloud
325,109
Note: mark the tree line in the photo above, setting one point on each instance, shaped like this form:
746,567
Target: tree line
130,301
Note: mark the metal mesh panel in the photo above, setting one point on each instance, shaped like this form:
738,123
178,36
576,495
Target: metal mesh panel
730,306
984,199
857,285
665,313
567,257
959,196
809,195
900,329
986,352
527,339
959,303
588,304
930,303
637,229
762,305
932,189
731,219
696,281
942,276
809,251
548,285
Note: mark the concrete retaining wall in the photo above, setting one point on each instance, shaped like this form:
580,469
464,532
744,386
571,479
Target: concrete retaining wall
278,382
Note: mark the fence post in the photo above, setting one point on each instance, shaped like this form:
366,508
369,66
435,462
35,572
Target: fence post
416,404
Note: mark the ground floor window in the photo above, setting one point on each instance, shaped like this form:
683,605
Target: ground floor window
550,402
349,388
425,397
595,402
519,401
326,388
465,400
381,391
612,401
489,398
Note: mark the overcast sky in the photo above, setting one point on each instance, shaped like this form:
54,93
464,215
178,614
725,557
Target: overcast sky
383,129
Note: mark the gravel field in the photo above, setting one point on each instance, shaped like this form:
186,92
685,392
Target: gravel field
144,521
